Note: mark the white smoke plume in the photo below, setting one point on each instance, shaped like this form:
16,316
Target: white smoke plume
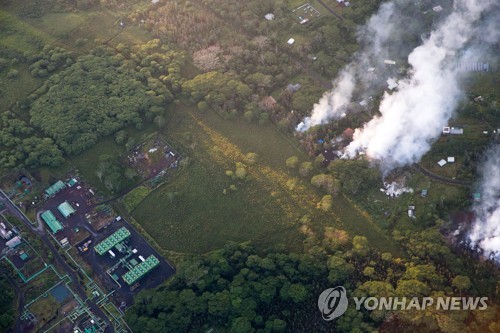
374,36
332,104
413,117
485,232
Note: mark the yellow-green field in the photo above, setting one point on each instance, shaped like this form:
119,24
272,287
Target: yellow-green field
197,211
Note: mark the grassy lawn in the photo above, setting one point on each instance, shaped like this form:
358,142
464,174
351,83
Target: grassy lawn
194,207
19,35
59,25
134,197
263,209
14,89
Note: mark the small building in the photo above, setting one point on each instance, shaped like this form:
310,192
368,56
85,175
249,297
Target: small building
476,196
450,159
4,233
13,242
389,62
348,134
437,9
424,193
267,103
23,255
446,130
66,209
392,84
72,182
64,241
293,87
411,211
141,269
290,41
54,225
304,21
442,163
456,131
107,244
55,188
269,16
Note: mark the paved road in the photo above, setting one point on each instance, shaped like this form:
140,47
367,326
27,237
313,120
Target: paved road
442,179
62,263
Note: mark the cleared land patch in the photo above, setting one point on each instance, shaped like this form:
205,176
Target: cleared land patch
262,208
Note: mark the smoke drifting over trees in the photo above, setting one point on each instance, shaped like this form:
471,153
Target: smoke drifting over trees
411,117
486,230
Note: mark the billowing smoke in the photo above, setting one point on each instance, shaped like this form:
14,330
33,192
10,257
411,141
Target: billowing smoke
485,232
412,116
332,104
374,37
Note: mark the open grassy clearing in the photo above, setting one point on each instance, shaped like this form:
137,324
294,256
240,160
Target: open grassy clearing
135,197
274,148
194,207
20,36
263,209
17,37
59,25
14,89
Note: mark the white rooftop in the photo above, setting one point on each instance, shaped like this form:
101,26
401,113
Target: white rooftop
392,84
442,163
451,159
291,41
268,16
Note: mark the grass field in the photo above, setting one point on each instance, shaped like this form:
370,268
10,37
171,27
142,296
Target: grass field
135,197
263,209
18,35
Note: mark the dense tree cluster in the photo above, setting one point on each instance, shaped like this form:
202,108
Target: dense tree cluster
223,92
240,290
6,305
21,146
104,92
95,96
48,61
